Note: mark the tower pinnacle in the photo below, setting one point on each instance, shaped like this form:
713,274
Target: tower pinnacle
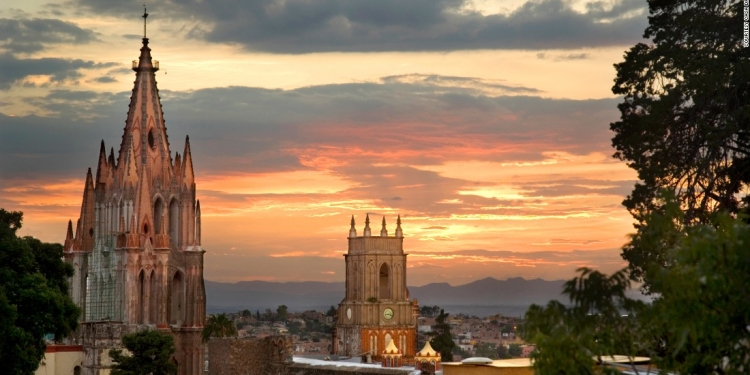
352,230
399,232
367,232
383,231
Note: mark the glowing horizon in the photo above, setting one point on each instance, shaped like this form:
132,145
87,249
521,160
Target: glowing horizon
496,155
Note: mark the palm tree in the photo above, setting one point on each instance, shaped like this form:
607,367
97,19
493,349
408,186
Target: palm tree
218,326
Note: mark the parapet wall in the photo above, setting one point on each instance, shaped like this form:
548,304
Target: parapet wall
273,356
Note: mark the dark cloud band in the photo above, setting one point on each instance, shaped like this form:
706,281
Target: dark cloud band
33,35
299,26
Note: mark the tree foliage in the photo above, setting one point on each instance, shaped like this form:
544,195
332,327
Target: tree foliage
442,339
429,311
487,350
332,312
684,129
282,312
697,324
218,325
502,352
515,350
685,112
34,297
150,353
576,338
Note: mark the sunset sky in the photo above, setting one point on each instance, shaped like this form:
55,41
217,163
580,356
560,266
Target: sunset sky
484,124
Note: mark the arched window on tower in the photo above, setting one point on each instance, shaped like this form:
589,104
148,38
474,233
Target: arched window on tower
158,212
385,284
141,296
178,299
174,222
153,298
355,286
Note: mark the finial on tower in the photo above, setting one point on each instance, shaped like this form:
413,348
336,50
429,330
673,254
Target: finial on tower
367,226
399,232
383,231
352,230
145,15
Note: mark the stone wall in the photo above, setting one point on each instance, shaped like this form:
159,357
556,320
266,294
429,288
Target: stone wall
234,356
273,356
305,369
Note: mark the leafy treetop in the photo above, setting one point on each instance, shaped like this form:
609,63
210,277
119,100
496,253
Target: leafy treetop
150,353
34,297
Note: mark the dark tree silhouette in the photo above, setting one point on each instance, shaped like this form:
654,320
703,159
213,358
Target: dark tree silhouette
150,353
442,339
684,118
218,326
34,297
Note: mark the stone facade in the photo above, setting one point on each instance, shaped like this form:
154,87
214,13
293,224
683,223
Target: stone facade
137,249
234,356
376,308
273,355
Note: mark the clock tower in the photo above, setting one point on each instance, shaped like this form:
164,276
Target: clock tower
376,309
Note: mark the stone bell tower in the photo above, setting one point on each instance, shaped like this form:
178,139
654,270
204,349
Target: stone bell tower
376,309
137,249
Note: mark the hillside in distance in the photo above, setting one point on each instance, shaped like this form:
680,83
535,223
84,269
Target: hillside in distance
482,297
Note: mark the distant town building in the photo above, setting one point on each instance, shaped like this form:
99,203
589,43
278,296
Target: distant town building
137,249
376,308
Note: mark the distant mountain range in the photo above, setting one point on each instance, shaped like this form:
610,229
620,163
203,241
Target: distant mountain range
482,297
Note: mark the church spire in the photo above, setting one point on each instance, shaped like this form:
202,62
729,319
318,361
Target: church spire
399,232
367,232
111,160
145,125
69,237
102,170
85,233
352,230
383,231
188,177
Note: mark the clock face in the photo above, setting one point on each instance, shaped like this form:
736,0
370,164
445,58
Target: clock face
349,313
388,313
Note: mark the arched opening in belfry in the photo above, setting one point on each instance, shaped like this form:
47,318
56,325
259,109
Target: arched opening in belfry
385,284
178,300
153,298
174,222
355,284
141,296
158,212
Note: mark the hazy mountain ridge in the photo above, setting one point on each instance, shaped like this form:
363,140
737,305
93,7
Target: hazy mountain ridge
481,297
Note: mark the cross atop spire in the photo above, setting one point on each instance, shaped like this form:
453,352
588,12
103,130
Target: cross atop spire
145,15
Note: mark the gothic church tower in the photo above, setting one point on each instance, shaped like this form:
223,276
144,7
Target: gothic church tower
376,309
136,249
